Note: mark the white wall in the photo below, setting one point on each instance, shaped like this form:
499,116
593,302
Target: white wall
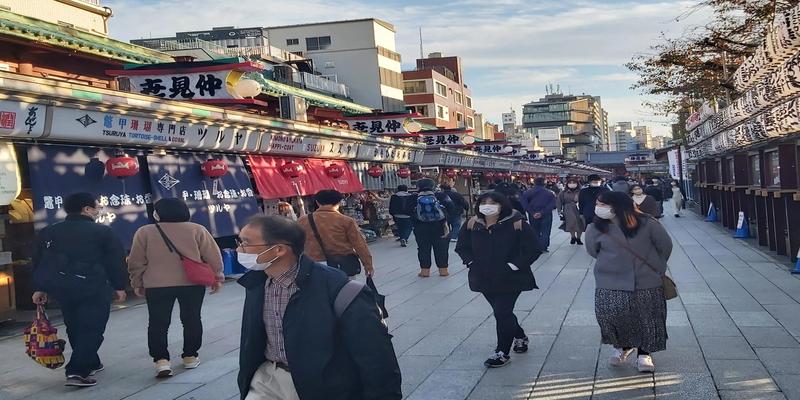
81,15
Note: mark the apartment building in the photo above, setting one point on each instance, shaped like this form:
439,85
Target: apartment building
436,90
83,15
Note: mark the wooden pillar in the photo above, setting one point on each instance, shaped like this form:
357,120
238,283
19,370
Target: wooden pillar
761,219
781,234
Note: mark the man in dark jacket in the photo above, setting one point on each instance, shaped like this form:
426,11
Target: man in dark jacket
588,197
79,262
539,202
299,340
431,229
621,185
401,206
455,211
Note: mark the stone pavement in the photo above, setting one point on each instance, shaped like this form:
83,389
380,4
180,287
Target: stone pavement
733,334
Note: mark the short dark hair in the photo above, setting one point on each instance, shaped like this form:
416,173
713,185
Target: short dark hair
538,181
75,203
630,218
172,210
402,188
620,178
276,229
505,205
328,197
445,186
425,184
594,177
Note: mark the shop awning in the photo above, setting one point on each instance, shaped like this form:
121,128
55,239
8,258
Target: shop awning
272,184
278,89
221,204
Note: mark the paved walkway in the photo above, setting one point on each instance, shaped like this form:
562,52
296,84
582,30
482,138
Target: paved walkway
733,334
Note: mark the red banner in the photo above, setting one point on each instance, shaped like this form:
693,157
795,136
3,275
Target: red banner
272,184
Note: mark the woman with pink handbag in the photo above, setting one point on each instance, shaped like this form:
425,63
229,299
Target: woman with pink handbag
174,259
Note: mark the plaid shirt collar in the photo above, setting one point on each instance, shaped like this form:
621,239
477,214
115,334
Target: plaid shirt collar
287,278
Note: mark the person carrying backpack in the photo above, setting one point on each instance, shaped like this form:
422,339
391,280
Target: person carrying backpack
498,247
308,332
455,209
430,228
81,264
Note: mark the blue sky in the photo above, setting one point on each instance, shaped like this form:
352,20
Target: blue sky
511,49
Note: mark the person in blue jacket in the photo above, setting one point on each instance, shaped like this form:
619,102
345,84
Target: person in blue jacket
539,202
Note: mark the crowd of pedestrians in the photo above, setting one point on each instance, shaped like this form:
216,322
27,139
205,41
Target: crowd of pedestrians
309,331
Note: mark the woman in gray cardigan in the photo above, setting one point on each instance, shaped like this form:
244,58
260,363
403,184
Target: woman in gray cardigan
632,250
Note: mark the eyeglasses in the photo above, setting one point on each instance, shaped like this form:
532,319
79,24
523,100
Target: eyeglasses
242,245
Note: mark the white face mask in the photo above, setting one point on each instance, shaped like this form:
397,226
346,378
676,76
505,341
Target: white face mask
489,209
594,183
604,212
250,261
572,185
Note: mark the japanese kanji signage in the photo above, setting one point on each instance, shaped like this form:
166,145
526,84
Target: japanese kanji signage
442,139
493,149
19,119
193,86
398,125
284,143
94,126
381,152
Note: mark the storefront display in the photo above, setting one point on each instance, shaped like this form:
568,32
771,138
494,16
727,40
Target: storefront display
280,177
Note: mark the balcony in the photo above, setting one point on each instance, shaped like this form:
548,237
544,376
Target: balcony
321,84
211,49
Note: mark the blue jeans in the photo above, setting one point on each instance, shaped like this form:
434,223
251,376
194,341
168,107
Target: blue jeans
541,228
404,227
455,225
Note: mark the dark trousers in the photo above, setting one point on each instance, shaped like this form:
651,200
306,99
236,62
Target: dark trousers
86,319
404,227
455,225
160,302
506,322
429,236
541,228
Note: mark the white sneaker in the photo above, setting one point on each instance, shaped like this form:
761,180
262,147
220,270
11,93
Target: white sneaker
645,364
163,369
619,356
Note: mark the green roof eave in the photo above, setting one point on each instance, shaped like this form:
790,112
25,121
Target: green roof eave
273,88
36,30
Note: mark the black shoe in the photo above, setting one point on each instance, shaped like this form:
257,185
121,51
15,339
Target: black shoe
497,360
96,370
79,381
545,251
578,241
677,215
572,241
403,243
521,345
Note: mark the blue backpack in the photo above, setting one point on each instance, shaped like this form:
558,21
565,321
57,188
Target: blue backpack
429,209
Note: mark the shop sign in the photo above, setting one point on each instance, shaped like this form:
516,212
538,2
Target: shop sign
381,152
672,156
494,149
191,86
439,140
399,125
699,116
25,120
108,127
9,174
282,143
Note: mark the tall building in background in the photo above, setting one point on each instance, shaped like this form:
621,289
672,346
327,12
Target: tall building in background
623,137
510,123
436,90
660,142
644,137
568,125
83,15
359,53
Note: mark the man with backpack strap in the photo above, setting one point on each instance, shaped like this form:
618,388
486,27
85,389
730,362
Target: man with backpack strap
81,264
307,331
430,228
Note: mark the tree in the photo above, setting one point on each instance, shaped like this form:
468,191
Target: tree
697,66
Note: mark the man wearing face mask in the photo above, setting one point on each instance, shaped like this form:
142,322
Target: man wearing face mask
307,331
540,202
588,197
81,264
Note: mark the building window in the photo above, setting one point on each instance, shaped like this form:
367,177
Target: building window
419,109
318,43
441,89
292,42
389,54
772,169
470,122
410,87
460,119
755,170
391,78
469,101
442,113
459,98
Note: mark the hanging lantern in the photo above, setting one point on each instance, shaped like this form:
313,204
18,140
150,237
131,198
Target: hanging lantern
291,169
416,175
375,171
466,173
334,171
489,174
403,172
214,168
122,166
450,173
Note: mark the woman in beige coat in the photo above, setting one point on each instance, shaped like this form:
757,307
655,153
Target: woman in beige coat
157,274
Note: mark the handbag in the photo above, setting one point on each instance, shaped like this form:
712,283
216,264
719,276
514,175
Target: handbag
670,289
350,263
379,298
42,343
197,272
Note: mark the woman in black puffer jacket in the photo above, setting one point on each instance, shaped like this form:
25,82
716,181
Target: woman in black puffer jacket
498,246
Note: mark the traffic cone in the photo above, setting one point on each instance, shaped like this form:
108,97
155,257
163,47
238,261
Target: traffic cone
796,269
712,213
742,227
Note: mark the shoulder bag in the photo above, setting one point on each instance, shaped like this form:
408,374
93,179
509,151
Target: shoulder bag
670,289
197,272
350,263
